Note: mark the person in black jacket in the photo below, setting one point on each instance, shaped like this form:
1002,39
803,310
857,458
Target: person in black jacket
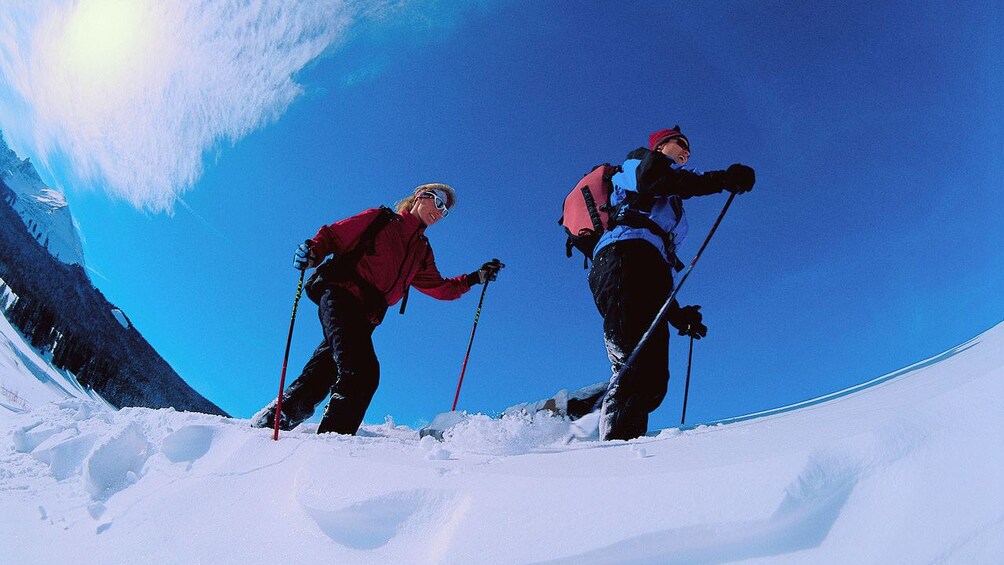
632,273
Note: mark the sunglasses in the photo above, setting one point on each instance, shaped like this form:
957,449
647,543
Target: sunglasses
440,204
682,142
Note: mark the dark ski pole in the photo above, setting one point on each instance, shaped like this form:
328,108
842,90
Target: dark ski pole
477,315
686,389
660,318
285,357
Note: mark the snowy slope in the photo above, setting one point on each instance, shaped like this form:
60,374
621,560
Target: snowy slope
44,210
905,470
27,380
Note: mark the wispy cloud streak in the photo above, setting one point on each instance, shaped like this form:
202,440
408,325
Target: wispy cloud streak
134,93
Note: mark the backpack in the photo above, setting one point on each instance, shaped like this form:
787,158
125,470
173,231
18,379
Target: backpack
343,267
586,212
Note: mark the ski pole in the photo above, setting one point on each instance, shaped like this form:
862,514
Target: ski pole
660,318
285,357
686,389
463,368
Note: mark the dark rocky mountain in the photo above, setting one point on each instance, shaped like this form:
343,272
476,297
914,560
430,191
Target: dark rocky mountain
59,310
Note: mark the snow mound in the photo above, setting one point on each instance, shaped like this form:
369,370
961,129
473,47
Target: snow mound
188,443
116,461
905,470
512,434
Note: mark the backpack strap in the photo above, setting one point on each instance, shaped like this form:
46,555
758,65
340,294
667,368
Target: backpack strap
586,243
367,241
343,267
407,289
594,214
404,298
626,214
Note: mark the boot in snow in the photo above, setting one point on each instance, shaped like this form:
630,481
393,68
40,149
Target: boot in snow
265,418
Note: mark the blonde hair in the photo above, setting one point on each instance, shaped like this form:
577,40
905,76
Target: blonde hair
407,202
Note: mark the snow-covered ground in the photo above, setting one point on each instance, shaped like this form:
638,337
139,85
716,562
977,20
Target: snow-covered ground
27,380
905,470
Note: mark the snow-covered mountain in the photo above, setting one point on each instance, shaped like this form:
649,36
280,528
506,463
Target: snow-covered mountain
44,210
904,469
61,311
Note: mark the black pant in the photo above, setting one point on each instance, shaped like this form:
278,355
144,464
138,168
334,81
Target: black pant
631,281
344,364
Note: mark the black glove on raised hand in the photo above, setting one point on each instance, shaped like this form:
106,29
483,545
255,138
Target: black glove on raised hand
687,319
739,178
304,257
488,272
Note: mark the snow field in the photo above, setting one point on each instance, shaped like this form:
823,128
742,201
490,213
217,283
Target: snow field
903,471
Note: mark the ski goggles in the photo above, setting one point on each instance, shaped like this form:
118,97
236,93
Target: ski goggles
682,142
439,199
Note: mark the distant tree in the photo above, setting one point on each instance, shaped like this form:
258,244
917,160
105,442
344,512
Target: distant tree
19,313
45,330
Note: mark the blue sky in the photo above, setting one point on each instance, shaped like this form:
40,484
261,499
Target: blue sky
197,153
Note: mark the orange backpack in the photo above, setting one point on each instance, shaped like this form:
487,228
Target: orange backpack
586,212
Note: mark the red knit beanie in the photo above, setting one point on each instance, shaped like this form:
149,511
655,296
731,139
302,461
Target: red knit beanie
662,135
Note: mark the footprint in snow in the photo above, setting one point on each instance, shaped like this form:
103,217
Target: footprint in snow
188,443
372,523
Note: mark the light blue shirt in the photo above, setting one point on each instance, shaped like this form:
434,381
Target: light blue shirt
662,213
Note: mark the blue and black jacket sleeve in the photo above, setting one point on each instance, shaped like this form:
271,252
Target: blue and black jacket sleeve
656,176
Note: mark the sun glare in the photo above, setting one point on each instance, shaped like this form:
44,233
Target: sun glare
104,39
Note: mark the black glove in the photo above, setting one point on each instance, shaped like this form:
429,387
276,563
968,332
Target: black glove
739,179
687,319
304,257
488,272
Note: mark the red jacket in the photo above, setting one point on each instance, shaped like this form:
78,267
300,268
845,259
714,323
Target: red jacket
401,256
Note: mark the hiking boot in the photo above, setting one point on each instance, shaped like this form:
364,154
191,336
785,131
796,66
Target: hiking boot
265,418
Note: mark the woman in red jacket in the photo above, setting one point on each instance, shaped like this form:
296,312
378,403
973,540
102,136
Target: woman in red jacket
379,254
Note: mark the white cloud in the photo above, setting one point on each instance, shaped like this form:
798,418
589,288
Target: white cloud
135,92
